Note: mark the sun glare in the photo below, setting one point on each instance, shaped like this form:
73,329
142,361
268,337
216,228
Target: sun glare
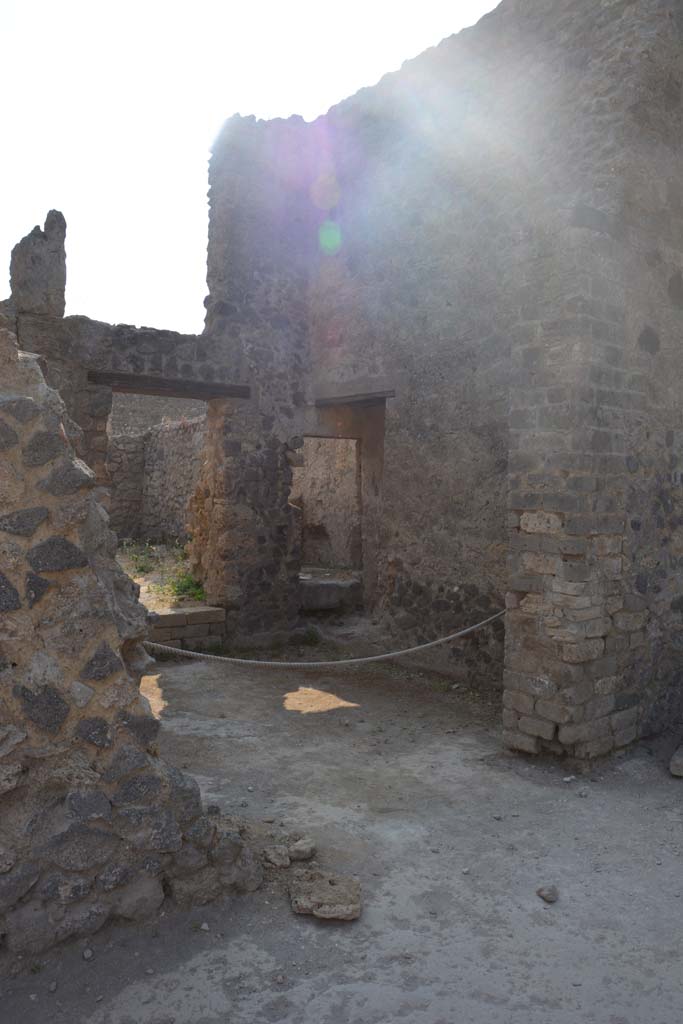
114,123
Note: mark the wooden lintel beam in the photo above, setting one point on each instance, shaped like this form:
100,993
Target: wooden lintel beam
363,398
169,387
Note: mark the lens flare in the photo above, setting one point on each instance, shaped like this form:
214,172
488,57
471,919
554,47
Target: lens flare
329,237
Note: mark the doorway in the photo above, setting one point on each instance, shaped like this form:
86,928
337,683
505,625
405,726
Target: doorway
326,488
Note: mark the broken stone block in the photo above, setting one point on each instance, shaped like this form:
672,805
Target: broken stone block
245,874
324,895
277,856
302,849
139,899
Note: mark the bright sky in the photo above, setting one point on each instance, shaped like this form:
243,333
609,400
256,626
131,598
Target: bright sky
109,110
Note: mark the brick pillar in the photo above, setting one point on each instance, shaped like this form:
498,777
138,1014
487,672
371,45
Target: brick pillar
567,626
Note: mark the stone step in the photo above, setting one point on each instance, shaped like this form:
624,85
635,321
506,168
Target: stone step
327,594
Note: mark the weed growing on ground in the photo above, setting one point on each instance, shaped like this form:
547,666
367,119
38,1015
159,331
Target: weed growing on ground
183,584
143,557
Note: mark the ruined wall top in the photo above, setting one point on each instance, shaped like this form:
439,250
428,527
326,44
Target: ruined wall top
38,269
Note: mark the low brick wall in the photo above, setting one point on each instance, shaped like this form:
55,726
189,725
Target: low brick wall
193,629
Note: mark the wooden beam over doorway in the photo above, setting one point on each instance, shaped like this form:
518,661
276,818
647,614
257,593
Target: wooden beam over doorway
359,398
168,387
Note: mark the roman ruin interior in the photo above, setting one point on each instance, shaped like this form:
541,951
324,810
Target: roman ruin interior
439,377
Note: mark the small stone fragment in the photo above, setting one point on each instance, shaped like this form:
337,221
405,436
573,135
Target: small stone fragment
81,694
325,896
88,954
277,856
676,763
36,588
7,860
303,849
56,554
52,987
548,893
204,927
22,409
103,663
44,706
95,731
9,596
67,477
44,446
8,436
25,522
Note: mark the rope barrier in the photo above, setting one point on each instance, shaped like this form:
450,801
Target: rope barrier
150,646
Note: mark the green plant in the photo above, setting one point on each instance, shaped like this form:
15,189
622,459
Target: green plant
309,638
143,557
183,584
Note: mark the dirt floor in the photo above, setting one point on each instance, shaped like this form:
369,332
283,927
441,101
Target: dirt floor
402,782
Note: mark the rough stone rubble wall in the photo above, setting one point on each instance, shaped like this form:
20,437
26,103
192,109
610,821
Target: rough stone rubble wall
125,468
153,478
94,825
245,543
327,487
134,414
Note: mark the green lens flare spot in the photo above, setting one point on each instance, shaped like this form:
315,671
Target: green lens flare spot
329,237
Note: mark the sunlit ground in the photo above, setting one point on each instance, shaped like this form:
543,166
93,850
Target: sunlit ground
308,701
150,688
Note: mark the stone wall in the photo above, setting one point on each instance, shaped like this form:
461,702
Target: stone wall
245,543
173,454
94,825
327,488
125,468
152,479
134,414
431,235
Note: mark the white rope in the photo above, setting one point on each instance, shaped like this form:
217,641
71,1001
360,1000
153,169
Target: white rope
319,664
